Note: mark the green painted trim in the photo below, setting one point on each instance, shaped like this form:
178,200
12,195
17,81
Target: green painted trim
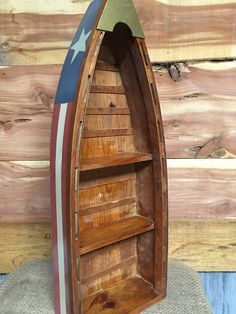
123,11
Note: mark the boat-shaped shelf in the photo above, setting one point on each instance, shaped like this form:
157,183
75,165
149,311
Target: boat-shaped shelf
108,170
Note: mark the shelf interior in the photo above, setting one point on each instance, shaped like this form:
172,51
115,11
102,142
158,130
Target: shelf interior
96,238
122,298
92,163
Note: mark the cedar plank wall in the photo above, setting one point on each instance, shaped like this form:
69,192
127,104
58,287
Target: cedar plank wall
199,112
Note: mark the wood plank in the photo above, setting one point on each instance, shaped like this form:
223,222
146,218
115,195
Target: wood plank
198,189
190,32
106,133
111,161
202,189
20,243
24,192
204,245
93,239
198,110
198,107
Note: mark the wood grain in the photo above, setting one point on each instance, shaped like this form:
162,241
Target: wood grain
23,242
198,189
202,189
26,102
175,30
24,192
204,245
198,110
198,107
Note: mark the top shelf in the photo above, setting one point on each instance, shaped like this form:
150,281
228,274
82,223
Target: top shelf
114,160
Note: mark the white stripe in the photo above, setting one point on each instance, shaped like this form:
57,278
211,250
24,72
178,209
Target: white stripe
60,243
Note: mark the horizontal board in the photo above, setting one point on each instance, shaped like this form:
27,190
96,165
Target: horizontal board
175,30
198,109
204,245
198,189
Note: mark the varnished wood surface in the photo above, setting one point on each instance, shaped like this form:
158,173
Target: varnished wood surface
204,245
91,163
197,189
192,31
95,238
198,110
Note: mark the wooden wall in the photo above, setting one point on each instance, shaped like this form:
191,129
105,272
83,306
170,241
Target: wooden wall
189,42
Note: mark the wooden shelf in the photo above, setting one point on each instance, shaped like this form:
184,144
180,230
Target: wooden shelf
96,238
114,160
130,294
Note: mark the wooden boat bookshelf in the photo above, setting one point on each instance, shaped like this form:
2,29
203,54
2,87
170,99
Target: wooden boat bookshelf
115,218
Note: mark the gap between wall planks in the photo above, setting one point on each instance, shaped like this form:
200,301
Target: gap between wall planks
208,247
35,33
198,110
202,189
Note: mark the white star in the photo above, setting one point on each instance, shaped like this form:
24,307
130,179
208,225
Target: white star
80,45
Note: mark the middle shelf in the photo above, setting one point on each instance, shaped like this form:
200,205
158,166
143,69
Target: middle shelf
99,237
92,163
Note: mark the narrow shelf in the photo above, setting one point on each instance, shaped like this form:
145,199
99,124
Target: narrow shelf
107,89
130,294
114,160
99,237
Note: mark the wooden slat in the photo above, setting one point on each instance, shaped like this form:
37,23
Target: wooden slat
199,110
103,89
204,245
20,243
175,30
107,111
107,206
99,237
110,161
107,133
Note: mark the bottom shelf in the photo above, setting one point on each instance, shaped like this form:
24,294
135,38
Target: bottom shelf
129,295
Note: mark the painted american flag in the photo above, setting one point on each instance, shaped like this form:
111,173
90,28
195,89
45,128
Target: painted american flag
60,146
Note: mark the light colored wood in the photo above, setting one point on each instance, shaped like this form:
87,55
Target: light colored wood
202,189
20,243
174,29
204,245
208,245
199,110
198,189
24,191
